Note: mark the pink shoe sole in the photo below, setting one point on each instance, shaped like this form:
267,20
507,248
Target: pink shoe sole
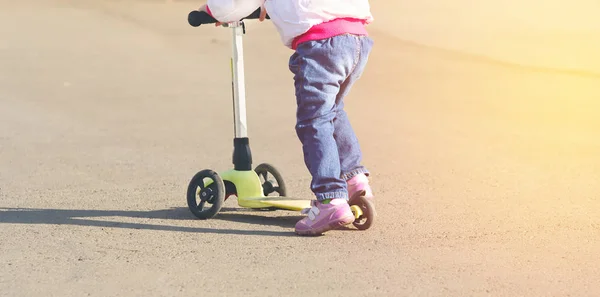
331,226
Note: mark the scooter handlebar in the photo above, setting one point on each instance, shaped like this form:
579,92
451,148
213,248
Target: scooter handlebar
197,18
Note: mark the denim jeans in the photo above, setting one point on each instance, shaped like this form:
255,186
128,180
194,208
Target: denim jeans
324,71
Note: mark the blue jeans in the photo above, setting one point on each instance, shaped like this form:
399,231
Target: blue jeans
324,71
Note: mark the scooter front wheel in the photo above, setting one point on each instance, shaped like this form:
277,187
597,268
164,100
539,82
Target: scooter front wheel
270,186
206,187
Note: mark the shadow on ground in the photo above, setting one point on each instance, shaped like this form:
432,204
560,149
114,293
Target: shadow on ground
82,217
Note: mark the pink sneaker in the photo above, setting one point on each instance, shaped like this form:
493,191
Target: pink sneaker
324,217
358,183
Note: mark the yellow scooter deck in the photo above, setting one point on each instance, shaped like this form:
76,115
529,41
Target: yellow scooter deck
288,203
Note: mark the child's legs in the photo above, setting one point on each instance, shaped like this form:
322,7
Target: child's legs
347,142
348,146
320,67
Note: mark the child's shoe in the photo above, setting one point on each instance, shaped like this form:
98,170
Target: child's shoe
322,217
359,183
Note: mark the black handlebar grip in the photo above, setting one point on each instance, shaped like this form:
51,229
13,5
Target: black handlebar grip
197,18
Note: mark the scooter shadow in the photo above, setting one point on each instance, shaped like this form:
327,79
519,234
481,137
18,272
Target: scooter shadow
91,218
257,217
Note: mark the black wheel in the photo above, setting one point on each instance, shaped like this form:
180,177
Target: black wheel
364,221
271,180
198,195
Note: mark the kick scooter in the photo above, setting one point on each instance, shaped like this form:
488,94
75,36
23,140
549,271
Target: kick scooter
208,189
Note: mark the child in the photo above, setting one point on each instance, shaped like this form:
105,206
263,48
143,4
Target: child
331,50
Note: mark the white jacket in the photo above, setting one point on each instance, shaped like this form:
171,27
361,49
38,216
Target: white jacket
292,17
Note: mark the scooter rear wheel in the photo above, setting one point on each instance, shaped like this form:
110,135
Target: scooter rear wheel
364,221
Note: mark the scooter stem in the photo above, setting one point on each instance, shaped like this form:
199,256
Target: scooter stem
238,88
242,156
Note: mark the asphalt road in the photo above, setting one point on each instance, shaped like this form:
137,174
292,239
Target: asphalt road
486,169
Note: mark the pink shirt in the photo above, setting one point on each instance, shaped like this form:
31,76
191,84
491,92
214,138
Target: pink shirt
330,29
